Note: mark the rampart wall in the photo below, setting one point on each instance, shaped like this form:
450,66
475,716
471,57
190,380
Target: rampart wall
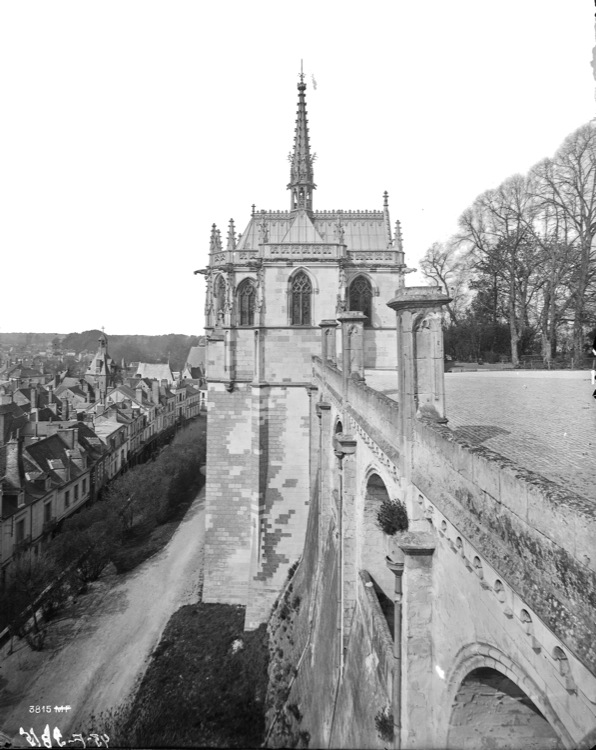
498,575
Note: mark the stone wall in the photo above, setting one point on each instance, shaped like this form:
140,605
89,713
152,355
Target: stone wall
498,581
513,515
281,449
369,662
230,495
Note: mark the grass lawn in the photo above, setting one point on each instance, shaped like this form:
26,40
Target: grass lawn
205,686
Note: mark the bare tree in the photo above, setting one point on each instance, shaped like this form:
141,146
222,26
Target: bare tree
496,228
557,257
567,184
446,266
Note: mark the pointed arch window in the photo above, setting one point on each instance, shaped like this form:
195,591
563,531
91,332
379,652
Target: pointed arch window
360,298
246,303
300,300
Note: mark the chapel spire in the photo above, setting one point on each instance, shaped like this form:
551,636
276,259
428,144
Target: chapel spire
301,174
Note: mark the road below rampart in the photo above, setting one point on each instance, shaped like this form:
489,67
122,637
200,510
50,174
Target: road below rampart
98,659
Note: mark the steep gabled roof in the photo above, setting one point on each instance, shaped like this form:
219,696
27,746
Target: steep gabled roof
154,371
50,455
301,230
196,356
14,419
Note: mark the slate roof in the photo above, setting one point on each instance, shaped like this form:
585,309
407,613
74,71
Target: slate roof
196,356
47,415
75,390
14,419
362,230
18,371
154,371
50,455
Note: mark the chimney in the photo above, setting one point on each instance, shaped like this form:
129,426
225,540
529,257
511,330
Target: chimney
5,419
15,474
65,409
155,391
139,393
69,437
33,397
67,466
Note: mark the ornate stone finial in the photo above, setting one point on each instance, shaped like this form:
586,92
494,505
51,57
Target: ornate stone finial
231,235
213,239
218,240
398,237
301,182
301,72
264,228
387,219
253,210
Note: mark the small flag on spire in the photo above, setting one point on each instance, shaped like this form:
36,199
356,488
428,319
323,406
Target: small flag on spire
314,83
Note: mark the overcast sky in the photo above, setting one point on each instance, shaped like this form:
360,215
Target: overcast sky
128,128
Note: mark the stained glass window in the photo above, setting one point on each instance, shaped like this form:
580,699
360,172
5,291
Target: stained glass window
300,300
246,303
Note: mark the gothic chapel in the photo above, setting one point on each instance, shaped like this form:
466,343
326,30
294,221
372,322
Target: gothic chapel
272,293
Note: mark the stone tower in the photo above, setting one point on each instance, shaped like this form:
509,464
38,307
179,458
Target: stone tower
101,370
272,292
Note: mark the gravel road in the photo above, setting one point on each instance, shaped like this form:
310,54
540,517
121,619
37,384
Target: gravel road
107,650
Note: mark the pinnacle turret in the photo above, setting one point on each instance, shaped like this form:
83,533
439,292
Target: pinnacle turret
215,240
301,174
231,235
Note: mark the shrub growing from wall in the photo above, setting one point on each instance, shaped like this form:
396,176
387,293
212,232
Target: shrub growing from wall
392,517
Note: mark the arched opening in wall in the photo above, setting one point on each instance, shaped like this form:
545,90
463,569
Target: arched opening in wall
490,710
360,298
374,548
338,427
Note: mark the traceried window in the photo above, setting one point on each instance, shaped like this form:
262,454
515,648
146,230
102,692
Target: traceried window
300,293
246,303
360,297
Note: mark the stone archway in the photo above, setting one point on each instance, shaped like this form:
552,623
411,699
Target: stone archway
492,711
374,549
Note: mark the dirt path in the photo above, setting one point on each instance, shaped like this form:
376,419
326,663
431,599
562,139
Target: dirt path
102,655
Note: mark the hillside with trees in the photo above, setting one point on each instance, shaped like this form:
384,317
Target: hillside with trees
522,269
173,346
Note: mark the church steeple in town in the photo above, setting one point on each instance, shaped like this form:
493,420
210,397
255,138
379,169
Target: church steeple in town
301,174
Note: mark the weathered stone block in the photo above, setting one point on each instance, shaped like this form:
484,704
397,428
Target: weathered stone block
549,517
513,492
486,474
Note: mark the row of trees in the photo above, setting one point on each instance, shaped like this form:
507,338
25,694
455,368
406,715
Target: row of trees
522,268
113,530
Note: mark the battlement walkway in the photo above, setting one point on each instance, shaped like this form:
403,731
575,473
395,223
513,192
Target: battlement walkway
544,421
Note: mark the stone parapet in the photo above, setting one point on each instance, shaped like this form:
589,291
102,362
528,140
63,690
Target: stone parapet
510,515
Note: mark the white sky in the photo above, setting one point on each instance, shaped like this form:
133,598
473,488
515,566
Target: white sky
129,127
